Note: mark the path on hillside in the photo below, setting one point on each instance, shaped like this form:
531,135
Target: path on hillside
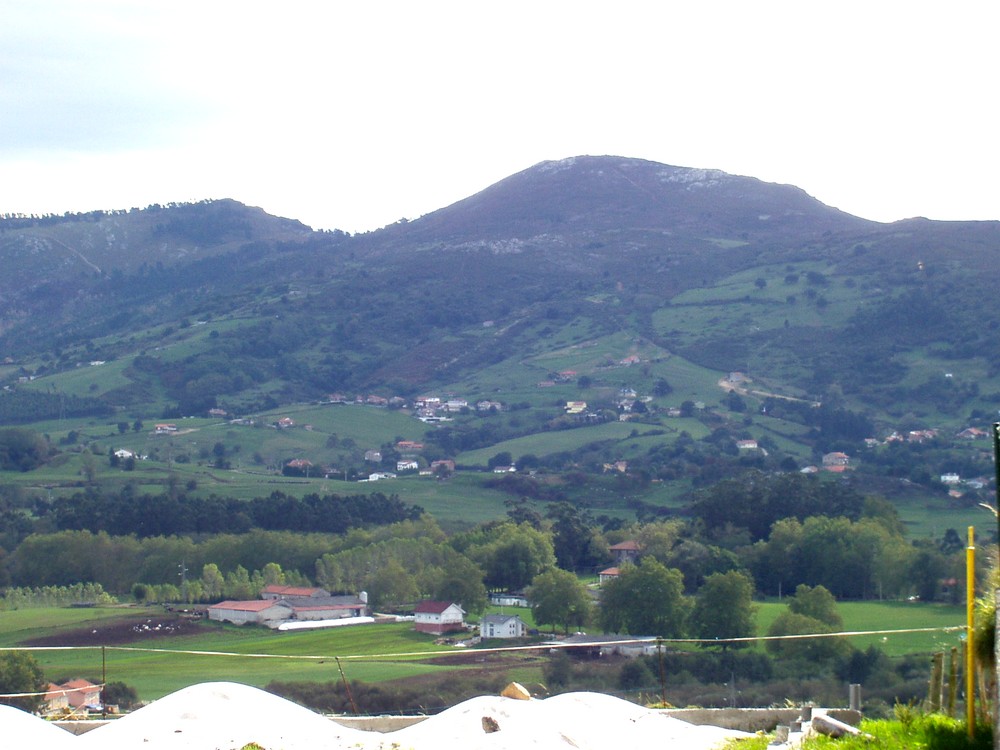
727,386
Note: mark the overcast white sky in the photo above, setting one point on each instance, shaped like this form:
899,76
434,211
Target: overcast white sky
353,115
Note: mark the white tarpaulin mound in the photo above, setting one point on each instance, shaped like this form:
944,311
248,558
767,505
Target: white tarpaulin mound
578,721
220,716
229,716
20,729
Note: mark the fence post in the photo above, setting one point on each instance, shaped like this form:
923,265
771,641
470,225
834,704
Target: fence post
934,690
854,697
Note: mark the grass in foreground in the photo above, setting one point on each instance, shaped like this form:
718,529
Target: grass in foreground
909,731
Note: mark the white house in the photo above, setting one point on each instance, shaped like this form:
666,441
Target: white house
74,695
438,617
502,626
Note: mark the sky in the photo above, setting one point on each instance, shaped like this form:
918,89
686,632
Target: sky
354,115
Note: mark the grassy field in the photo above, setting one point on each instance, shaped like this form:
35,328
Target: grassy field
871,616
369,653
157,666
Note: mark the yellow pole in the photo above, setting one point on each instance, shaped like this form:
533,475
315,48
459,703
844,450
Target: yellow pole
970,600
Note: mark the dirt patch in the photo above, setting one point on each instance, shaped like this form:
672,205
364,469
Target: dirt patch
120,632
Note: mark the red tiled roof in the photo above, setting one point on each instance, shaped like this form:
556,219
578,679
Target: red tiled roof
256,605
626,546
291,590
432,607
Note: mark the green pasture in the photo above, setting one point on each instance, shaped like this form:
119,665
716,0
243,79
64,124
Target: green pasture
86,380
545,443
932,515
736,304
250,655
374,653
588,356
894,615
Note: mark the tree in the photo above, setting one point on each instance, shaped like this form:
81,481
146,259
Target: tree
212,582
816,602
462,583
500,459
724,608
645,599
573,538
813,610
391,585
515,556
120,694
20,673
22,449
238,585
559,598
520,512
662,388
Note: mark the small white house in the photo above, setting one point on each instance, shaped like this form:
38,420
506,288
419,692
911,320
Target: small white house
438,617
502,626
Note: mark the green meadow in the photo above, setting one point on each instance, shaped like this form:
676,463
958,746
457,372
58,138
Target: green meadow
373,653
874,615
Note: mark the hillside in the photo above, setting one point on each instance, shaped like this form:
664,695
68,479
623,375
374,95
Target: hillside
632,286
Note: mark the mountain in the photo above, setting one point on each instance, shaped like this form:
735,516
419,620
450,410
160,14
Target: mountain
688,267
589,196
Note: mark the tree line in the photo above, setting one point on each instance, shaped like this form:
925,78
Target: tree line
147,515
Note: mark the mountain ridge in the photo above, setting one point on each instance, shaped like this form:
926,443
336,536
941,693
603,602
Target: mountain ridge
713,267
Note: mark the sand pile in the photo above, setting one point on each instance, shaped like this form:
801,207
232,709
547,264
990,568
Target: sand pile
228,716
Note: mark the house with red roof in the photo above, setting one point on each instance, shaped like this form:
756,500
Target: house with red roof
438,617
74,695
608,574
626,552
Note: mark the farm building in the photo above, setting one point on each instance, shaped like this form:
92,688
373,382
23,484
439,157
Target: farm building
439,617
